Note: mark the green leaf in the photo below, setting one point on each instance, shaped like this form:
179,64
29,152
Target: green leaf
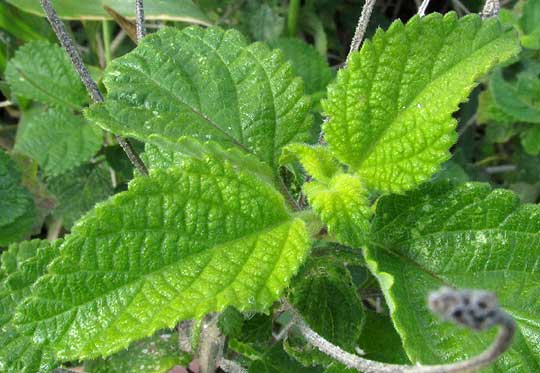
530,140
23,25
58,140
275,360
489,112
177,245
157,354
307,63
391,108
43,72
209,84
326,297
17,209
343,205
168,10
79,190
265,23
513,102
316,160
530,24
19,352
467,236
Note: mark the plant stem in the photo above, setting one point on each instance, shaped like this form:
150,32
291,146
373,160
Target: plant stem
84,74
500,345
491,9
292,17
210,345
106,29
139,20
422,8
230,366
360,31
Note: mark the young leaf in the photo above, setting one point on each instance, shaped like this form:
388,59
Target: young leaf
178,244
391,108
316,160
17,209
209,84
43,72
79,190
327,298
530,140
343,205
467,236
307,63
58,140
156,354
19,352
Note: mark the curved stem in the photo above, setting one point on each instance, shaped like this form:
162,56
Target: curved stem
360,31
500,345
84,74
139,19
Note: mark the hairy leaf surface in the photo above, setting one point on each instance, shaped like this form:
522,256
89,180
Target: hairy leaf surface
209,84
176,245
58,140
342,204
467,236
43,72
391,108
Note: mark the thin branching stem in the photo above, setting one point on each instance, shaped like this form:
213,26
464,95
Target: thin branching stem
91,86
491,9
422,8
139,19
500,345
360,31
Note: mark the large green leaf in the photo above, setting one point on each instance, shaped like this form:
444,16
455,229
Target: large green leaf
24,263
209,84
468,236
17,209
42,71
391,108
58,140
170,10
176,245
307,63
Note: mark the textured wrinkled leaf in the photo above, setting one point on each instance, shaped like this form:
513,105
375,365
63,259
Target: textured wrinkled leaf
468,236
24,263
512,102
176,245
58,140
328,300
391,108
170,10
209,84
343,205
43,72
316,160
157,354
78,191
306,62
17,209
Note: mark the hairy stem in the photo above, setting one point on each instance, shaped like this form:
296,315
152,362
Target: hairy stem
292,17
500,345
84,74
139,19
360,31
422,8
230,366
491,9
210,345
